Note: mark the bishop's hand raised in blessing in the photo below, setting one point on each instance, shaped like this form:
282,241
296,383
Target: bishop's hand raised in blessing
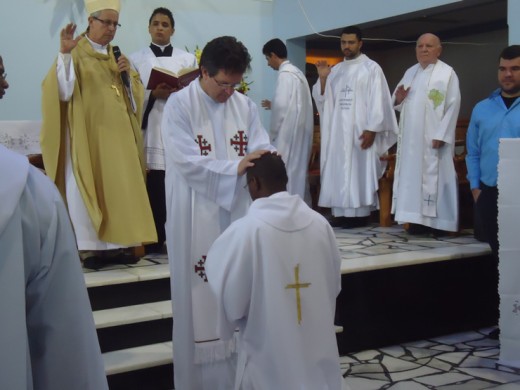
67,40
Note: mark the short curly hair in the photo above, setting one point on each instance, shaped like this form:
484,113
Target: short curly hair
227,54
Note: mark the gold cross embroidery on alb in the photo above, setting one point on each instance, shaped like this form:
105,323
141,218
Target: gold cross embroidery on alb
297,286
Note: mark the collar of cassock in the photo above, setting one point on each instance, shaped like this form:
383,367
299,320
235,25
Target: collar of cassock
97,47
161,51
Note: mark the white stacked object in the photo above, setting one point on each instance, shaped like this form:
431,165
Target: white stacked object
509,251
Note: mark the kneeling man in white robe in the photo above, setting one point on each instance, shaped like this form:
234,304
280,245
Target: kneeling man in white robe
276,276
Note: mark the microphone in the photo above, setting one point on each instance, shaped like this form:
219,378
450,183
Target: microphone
124,74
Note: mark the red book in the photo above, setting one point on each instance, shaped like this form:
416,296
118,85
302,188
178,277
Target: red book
175,80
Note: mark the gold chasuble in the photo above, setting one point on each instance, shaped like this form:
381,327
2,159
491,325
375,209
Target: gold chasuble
106,147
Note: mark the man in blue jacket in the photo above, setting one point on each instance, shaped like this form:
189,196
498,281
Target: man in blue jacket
493,118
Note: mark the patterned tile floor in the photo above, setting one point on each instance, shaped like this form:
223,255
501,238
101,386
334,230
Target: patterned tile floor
372,243
464,361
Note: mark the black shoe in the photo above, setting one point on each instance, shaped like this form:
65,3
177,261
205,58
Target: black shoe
354,222
337,221
123,258
494,334
154,248
415,229
440,233
95,262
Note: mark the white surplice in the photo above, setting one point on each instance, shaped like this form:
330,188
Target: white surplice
48,338
425,182
204,142
143,61
356,98
276,275
292,126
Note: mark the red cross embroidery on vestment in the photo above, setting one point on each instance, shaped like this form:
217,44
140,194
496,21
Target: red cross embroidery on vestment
200,269
239,142
204,146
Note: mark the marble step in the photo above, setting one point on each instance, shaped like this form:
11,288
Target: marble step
122,285
139,313
142,357
138,358
122,274
132,314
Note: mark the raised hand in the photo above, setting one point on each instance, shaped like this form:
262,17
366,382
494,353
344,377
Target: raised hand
323,68
401,94
67,40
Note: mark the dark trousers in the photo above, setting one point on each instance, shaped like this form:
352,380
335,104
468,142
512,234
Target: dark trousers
486,213
156,193
486,217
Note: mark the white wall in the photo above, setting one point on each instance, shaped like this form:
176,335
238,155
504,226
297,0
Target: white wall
30,35
30,39
294,18
475,65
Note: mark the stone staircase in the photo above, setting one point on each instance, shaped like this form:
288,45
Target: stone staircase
133,316
379,305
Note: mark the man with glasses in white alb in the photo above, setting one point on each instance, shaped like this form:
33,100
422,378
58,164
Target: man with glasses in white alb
211,135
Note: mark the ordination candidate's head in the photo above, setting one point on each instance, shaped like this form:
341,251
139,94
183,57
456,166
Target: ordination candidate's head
3,76
509,71
161,26
103,20
223,62
267,177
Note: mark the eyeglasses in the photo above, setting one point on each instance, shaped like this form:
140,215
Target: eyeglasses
107,23
225,85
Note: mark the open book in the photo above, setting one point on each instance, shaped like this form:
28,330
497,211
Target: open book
175,80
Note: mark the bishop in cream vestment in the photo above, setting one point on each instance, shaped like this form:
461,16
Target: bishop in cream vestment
92,148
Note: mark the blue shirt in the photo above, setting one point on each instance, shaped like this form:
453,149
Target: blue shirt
490,121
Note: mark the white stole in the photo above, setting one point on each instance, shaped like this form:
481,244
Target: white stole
209,220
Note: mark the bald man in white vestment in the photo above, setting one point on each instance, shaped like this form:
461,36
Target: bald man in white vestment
211,134
425,192
276,276
357,125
